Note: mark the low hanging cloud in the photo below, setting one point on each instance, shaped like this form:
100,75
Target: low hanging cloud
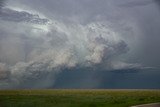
4,72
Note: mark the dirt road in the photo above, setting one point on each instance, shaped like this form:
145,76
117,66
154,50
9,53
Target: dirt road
149,105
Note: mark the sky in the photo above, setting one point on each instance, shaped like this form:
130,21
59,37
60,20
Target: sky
111,44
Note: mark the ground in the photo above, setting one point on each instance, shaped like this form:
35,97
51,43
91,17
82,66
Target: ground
77,98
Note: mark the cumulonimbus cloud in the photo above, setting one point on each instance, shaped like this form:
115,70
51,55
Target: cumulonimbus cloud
40,48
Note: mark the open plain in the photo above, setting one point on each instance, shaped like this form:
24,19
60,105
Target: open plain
77,98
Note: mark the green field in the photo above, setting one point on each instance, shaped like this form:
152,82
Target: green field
77,98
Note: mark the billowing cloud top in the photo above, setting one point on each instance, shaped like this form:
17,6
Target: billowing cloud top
41,39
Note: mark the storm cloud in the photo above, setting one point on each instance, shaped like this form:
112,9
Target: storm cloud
42,40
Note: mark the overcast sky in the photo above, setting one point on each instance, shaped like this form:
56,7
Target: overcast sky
79,44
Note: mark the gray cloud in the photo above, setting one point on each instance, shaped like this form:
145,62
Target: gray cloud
157,1
39,50
134,3
4,72
40,40
21,16
1,3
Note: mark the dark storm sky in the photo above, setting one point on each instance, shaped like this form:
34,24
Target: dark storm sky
79,44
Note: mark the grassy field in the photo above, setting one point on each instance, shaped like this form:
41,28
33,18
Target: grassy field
77,98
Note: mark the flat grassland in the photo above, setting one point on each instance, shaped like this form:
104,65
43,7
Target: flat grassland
77,98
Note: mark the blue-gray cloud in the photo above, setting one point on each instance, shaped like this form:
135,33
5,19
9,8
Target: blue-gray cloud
1,3
136,3
41,40
22,16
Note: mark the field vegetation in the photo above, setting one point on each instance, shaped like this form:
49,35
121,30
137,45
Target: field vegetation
77,98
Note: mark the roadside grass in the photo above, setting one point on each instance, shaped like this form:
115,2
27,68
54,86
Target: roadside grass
77,98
